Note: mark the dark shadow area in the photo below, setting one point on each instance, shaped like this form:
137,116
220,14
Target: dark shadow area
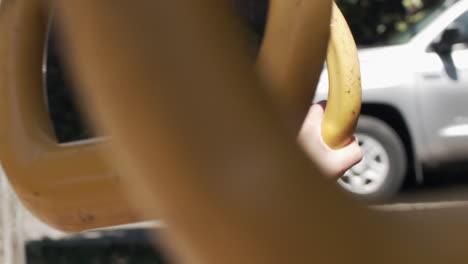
447,183
68,122
110,247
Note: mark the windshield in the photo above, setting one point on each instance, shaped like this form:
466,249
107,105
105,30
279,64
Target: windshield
401,37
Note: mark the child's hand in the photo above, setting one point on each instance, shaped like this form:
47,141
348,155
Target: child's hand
332,163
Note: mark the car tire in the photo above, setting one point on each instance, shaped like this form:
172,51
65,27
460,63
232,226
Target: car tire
382,170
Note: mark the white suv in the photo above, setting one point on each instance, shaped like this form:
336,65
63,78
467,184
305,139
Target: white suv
415,102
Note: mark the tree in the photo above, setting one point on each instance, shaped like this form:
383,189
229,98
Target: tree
374,20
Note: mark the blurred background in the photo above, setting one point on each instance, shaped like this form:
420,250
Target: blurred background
414,62
371,21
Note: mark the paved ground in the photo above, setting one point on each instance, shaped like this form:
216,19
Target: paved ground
130,243
442,190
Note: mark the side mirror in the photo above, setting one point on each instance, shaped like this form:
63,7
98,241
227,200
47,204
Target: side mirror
453,34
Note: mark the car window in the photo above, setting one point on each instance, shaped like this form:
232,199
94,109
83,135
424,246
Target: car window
462,22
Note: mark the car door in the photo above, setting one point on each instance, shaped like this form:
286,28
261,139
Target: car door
442,88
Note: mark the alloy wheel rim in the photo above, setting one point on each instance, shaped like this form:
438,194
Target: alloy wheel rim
368,175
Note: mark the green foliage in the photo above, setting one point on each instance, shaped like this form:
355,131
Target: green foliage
374,20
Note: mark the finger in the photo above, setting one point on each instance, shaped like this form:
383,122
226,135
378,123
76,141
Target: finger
351,154
315,115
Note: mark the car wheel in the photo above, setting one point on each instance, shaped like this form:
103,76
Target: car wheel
381,172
